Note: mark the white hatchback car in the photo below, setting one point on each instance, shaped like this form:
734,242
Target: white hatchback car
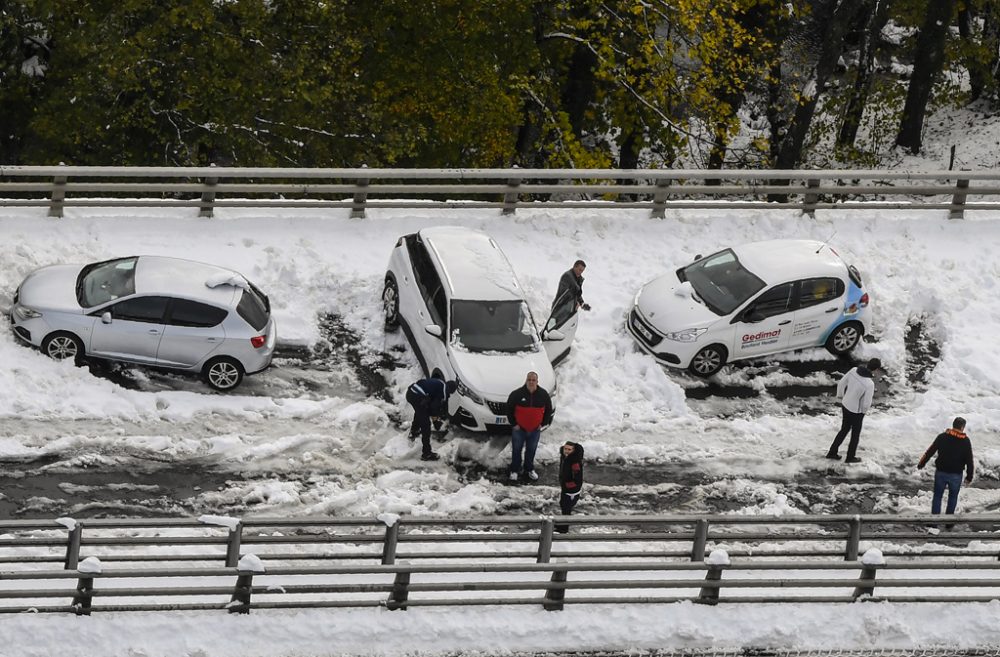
456,296
752,300
149,310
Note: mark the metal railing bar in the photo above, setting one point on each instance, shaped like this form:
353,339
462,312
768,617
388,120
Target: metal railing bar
486,174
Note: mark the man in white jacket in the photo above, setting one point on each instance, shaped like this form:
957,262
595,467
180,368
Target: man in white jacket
856,389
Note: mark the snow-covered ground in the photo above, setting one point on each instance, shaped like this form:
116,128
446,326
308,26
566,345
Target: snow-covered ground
316,442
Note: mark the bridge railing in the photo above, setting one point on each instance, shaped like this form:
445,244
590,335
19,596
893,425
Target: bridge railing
83,566
362,189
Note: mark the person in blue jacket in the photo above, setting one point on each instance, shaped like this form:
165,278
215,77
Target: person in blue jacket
429,398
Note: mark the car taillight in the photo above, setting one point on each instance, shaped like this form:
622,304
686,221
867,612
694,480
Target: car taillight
864,300
258,341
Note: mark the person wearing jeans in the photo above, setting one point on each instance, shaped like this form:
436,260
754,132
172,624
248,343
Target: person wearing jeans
954,454
529,408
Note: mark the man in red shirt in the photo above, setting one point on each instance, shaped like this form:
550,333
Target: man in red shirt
528,409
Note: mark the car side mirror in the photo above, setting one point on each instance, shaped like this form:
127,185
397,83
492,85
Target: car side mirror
753,316
697,257
106,317
554,335
433,329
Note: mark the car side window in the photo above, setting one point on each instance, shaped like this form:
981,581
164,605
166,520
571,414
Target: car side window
140,309
813,291
775,301
428,281
191,313
562,311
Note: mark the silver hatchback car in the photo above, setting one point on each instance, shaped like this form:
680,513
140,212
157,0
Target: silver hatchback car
163,312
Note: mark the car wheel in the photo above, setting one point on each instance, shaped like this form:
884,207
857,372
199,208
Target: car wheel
61,346
223,374
844,338
390,304
708,361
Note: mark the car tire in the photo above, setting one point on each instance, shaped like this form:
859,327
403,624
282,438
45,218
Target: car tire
844,338
223,374
62,345
708,361
390,304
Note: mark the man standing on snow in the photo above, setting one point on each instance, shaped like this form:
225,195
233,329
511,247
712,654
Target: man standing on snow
528,409
856,389
570,479
571,283
429,398
954,454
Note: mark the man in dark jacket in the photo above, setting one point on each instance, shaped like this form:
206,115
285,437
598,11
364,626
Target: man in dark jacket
429,398
954,454
570,479
529,408
571,283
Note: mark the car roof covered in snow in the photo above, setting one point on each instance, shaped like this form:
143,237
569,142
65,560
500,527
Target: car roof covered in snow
472,263
778,261
176,277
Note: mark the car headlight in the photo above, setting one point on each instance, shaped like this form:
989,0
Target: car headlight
468,392
26,313
687,335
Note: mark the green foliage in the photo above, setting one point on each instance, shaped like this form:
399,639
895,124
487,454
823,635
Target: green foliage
445,83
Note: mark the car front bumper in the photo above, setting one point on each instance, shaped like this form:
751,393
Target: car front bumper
666,352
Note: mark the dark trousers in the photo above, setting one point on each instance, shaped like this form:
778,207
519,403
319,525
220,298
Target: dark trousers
566,504
421,419
850,422
952,481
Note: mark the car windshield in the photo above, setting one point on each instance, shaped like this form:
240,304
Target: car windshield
721,282
493,326
101,282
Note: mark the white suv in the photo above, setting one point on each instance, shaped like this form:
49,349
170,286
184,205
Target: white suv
751,300
456,296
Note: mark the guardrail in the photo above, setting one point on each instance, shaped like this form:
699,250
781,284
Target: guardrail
267,563
208,188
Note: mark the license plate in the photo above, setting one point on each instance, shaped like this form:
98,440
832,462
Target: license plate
642,329
500,419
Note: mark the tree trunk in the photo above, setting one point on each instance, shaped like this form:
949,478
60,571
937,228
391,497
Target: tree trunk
578,92
833,20
876,14
978,74
991,43
926,66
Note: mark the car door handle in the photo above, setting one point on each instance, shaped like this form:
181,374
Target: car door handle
154,331
831,310
787,321
211,339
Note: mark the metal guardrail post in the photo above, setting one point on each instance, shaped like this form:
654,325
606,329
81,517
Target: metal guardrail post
58,196
853,539
811,198
958,200
233,544
660,198
554,597
510,198
389,544
709,595
84,597
545,541
207,207
700,539
360,201
867,573
239,603
400,592
73,540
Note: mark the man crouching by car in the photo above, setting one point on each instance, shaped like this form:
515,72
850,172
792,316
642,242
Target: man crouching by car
529,408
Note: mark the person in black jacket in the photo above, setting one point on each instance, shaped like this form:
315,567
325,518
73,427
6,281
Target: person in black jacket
570,479
954,454
429,398
529,408
571,283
